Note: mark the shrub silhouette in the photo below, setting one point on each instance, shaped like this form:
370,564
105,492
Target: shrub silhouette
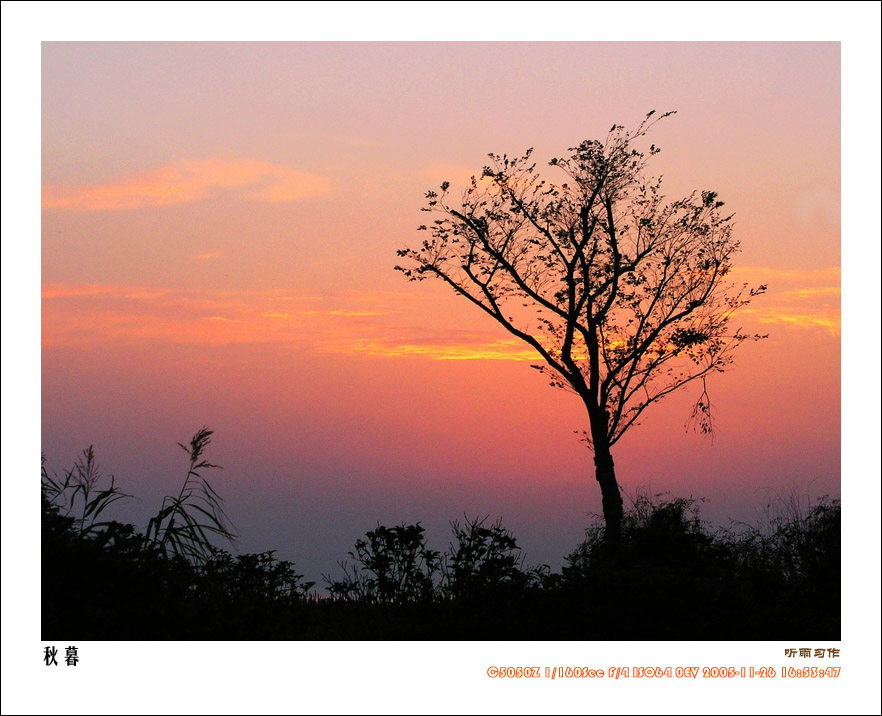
391,566
672,578
108,583
485,561
657,532
260,577
795,545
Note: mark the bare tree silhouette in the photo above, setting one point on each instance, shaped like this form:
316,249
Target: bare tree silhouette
622,294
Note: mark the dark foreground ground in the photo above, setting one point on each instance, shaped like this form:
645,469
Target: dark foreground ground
669,580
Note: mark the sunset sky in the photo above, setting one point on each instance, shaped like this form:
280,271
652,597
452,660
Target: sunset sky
218,230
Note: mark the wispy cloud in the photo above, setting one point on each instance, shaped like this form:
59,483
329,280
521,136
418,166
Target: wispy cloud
796,298
97,314
189,180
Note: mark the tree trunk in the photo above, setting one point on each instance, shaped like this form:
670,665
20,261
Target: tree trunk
605,472
609,489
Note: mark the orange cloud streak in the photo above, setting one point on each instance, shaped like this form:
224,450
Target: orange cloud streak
370,324
481,347
795,298
189,180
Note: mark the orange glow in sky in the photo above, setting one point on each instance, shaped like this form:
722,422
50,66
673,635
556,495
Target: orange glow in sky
219,230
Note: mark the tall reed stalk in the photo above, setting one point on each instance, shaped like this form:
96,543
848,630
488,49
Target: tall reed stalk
186,524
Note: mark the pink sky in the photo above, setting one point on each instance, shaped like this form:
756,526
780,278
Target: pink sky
217,237
219,229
